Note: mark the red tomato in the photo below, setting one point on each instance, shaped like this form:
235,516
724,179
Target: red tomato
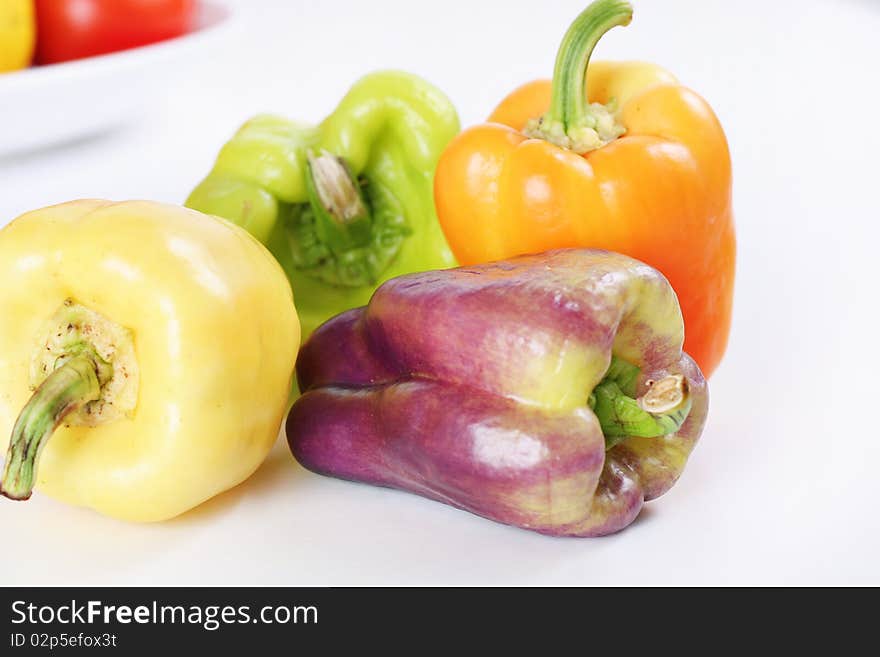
73,29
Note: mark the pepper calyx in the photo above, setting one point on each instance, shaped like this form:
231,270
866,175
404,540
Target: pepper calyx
75,329
350,230
598,128
83,372
342,216
660,411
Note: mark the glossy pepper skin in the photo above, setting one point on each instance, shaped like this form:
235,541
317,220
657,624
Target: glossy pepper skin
479,387
385,137
159,340
656,186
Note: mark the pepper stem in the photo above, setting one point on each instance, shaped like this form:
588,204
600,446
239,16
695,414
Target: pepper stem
659,412
571,121
69,387
342,217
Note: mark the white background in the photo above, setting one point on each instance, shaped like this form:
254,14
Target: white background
782,489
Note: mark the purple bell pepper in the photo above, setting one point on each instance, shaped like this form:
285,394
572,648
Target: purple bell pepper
549,392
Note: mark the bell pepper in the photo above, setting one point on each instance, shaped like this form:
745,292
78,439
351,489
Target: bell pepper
146,353
17,34
617,156
346,204
548,391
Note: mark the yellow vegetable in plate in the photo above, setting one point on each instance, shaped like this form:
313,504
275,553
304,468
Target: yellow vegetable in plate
17,34
146,354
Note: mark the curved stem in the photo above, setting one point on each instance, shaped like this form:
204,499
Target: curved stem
342,217
69,387
659,412
572,122
569,101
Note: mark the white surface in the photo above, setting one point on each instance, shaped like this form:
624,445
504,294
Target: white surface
781,489
44,105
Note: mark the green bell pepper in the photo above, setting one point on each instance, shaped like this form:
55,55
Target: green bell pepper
344,205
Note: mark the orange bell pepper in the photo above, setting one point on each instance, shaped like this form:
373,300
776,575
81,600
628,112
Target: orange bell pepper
643,169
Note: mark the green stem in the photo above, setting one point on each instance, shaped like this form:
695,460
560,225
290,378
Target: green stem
342,217
66,389
571,121
659,412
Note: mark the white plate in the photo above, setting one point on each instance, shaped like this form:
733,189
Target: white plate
45,105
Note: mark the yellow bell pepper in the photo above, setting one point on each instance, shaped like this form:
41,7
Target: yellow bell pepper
156,345
17,34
